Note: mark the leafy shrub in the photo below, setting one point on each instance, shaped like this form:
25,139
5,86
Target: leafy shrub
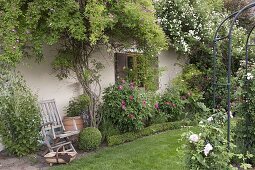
190,86
208,149
156,116
126,107
184,99
19,115
172,106
130,136
89,138
107,129
77,106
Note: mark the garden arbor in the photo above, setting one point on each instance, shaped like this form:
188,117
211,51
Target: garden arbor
217,38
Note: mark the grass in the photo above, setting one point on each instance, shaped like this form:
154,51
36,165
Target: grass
153,152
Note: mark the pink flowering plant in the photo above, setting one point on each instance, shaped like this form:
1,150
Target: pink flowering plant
172,106
183,99
207,148
126,106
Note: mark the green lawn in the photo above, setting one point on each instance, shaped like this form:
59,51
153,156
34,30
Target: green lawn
153,152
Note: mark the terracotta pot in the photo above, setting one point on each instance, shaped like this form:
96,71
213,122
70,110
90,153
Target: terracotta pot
73,123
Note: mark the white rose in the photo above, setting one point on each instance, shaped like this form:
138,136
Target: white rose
249,76
231,114
208,147
194,138
210,119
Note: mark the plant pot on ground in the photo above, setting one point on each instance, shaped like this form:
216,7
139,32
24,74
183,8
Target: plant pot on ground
75,111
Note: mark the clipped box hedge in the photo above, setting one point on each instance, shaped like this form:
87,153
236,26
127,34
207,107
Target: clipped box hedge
130,136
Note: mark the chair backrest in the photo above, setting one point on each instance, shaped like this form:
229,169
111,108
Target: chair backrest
49,113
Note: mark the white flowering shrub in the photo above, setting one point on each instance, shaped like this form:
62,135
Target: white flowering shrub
181,23
207,149
190,26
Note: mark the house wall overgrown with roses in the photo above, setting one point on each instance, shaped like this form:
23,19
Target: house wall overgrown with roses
41,79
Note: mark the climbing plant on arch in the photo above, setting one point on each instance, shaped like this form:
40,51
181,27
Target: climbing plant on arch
248,113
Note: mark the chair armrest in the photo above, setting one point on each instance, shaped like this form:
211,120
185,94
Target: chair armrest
46,124
51,127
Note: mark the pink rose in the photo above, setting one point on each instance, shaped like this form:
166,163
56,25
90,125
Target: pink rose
123,102
132,85
144,103
120,87
131,97
123,105
131,116
168,103
156,106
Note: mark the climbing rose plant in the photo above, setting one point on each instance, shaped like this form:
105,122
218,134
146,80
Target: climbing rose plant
245,106
79,27
190,26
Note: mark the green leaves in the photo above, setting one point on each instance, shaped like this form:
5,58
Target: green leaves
244,96
78,106
89,138
19,114
99,19
93,22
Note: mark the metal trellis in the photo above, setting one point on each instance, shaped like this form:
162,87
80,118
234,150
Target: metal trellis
234,18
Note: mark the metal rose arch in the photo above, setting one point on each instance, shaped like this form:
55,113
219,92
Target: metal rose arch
231,18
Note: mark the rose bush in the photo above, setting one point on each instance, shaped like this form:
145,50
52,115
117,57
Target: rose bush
126,106
171,105
184,98
208,149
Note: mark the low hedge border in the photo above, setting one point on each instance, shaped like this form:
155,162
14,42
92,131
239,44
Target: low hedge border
130,136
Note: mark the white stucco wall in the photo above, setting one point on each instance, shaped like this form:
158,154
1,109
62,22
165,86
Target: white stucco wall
172,65
108,73
43,82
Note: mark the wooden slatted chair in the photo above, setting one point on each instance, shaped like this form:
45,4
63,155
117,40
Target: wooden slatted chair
53,130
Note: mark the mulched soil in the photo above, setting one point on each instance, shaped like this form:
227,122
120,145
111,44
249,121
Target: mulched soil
30,162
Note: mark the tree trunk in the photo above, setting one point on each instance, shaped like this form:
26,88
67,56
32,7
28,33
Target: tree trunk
87,90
